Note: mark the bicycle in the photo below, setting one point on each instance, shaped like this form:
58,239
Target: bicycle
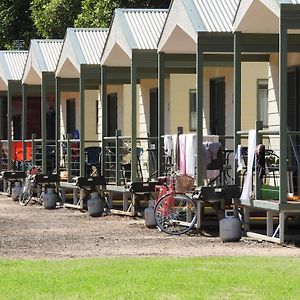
175,212
37,180
29,186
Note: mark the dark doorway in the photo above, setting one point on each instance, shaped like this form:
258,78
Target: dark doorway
50,121
293,123
153,128
112,114
71,116
217,106
293,96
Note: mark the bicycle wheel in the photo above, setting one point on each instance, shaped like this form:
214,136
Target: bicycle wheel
175,214
27,193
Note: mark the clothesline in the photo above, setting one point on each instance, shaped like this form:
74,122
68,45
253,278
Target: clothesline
182,152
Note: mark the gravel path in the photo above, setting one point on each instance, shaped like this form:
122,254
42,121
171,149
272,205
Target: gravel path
33,232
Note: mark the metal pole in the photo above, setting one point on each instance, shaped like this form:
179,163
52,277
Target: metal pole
161,110
57,121
133,120
237,96
69,158
82,123
24,122
118,161
1,131
33,137
258,181
9,125
283,111
199,107
43,123
104,115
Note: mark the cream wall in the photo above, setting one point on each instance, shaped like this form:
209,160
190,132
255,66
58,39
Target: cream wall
180,86
143,95
124,108
273,98
251,72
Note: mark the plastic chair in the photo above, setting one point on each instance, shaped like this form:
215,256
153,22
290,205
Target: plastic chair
93,159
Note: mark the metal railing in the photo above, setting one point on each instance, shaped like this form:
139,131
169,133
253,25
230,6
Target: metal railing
262,186
69,157
117,159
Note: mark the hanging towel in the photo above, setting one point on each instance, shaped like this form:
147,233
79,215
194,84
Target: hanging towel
239,158
175,151
210,174
191,145
182,154
247,188
168,145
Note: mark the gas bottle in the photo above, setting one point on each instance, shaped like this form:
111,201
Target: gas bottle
49,199
230,227
150,221
16,191
95,205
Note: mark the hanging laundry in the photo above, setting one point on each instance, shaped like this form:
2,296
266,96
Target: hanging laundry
261,160
191,147
182,154
247,188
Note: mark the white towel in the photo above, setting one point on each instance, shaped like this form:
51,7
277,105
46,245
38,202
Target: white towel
240,159
175,150
247,188
182,154
191,146
168,145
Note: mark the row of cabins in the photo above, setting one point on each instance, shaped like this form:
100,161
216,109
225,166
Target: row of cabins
210,67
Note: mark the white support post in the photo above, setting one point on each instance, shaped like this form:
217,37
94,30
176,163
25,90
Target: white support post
281,226
199,208
246,219
270,222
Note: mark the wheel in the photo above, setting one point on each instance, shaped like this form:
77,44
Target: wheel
175,214
26,193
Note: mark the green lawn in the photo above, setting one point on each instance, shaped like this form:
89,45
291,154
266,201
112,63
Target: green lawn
148,278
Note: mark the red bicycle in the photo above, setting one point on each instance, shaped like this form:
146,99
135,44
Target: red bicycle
174,211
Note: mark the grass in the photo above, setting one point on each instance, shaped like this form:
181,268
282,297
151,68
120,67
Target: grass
148,278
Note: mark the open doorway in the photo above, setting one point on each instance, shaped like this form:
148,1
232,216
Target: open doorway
217,106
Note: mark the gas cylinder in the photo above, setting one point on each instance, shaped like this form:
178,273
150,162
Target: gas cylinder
49,199
150,221
95,205
230,227
16,191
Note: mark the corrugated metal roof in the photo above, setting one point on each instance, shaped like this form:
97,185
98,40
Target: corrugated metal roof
288,1
145,26
91,42
216,15
50,50
15,63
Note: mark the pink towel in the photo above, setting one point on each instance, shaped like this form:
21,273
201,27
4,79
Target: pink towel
182,154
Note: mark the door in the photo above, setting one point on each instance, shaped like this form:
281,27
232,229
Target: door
112,114
71,116
153,128
293,123
217,106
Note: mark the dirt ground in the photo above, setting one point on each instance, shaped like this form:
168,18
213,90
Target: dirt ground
33,232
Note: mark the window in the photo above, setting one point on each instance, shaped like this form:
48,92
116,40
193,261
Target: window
262,95
193,111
